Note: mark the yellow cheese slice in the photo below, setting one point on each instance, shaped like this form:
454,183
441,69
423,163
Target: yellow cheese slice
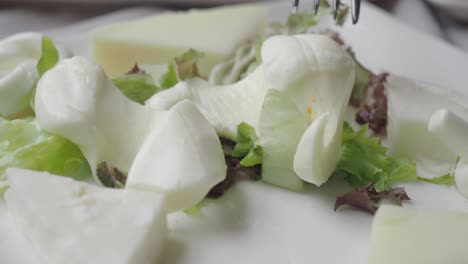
159,39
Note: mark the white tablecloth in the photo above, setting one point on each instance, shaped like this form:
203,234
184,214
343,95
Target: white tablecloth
46,17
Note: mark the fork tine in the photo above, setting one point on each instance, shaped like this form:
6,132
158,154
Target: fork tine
316,6
336,6
295,6
355,9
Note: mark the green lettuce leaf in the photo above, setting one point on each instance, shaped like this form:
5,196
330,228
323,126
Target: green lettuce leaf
281,127
360,85
137,87
24,145
247,147
362,157
187,64
446,179
258,49
195,210
301,22
399,170
184,67
342,15
170,78
364,160
49,57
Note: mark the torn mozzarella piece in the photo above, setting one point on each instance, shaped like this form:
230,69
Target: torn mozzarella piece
77,101
453,131
406,236
314,159
18,58
181,157
224,106
410,107
77,223
428,124
318,75
176,152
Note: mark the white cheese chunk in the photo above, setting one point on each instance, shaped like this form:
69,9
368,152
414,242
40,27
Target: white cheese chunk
182,157
77,223
405,236
159,39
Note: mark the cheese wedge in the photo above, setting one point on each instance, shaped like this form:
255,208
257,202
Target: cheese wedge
77,223
405,236
159,39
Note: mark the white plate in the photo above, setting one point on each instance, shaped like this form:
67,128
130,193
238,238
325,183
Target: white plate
113,2
457,8
256,223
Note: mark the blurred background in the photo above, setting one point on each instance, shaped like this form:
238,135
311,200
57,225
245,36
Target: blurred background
444,19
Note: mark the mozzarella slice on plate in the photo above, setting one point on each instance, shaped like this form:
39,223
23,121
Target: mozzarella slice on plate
77,223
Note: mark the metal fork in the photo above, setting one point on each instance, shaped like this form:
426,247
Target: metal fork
355,8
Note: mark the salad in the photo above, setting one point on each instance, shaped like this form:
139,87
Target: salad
292,108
